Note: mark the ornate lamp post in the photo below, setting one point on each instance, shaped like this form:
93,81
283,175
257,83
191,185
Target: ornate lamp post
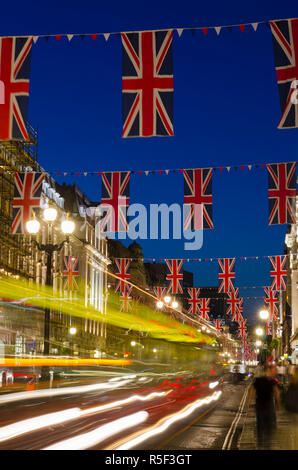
67,228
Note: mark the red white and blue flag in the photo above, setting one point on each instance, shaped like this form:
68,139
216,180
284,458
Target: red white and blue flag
285,46
15,55
27,194
242,329
122,274
279,272
282,193
272,301
70,272
218,324
237,317
159,292
204,309
268,328
194,300
198,199
174,276
232,301
226,274
125,300
147,84
114,201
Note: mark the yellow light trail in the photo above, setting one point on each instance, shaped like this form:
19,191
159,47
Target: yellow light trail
52,361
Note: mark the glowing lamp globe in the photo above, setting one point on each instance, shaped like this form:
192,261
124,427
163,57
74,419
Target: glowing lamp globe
50,214
264,314
67,226
32,226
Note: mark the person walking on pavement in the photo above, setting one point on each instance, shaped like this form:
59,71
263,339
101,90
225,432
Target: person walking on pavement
290,371
291,398
281,372
264,391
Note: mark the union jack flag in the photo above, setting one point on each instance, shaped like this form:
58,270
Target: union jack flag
198,199
27,194
175,277
285,46
238,313
125,300
114,201
147,84
226,275
159,292
244,343
14,78
218,324
122,274
194,300
272,301
242,329
70,271
268,328
282,193
232,301
204,309
279,272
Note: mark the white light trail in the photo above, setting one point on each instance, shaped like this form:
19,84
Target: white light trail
52,392
166,422
33,424
92,438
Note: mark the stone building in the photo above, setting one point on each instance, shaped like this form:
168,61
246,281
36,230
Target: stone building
290,298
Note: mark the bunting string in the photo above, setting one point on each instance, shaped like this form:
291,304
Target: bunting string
239,258
155,171
204,29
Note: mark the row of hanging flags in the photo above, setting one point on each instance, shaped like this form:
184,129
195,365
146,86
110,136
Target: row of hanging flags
198,199
199,307
147,78
226,276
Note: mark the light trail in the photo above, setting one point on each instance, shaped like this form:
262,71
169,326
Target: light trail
33,424
29,395
92,438
165,423
47,361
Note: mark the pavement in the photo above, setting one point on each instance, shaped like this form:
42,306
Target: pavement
285,436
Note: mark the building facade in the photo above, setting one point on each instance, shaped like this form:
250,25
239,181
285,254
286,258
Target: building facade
290,311
21,256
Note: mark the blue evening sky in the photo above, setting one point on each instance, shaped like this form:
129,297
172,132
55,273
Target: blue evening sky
226,110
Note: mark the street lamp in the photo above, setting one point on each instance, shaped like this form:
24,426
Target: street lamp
33,226
259,331
264,315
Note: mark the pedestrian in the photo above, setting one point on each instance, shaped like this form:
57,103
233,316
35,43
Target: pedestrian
291,398
290,370
265,392
273,369
281,372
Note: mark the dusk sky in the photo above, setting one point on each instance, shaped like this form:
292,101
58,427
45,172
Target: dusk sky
226,111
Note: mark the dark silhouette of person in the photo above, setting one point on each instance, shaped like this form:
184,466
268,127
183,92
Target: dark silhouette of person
266,394
291,398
